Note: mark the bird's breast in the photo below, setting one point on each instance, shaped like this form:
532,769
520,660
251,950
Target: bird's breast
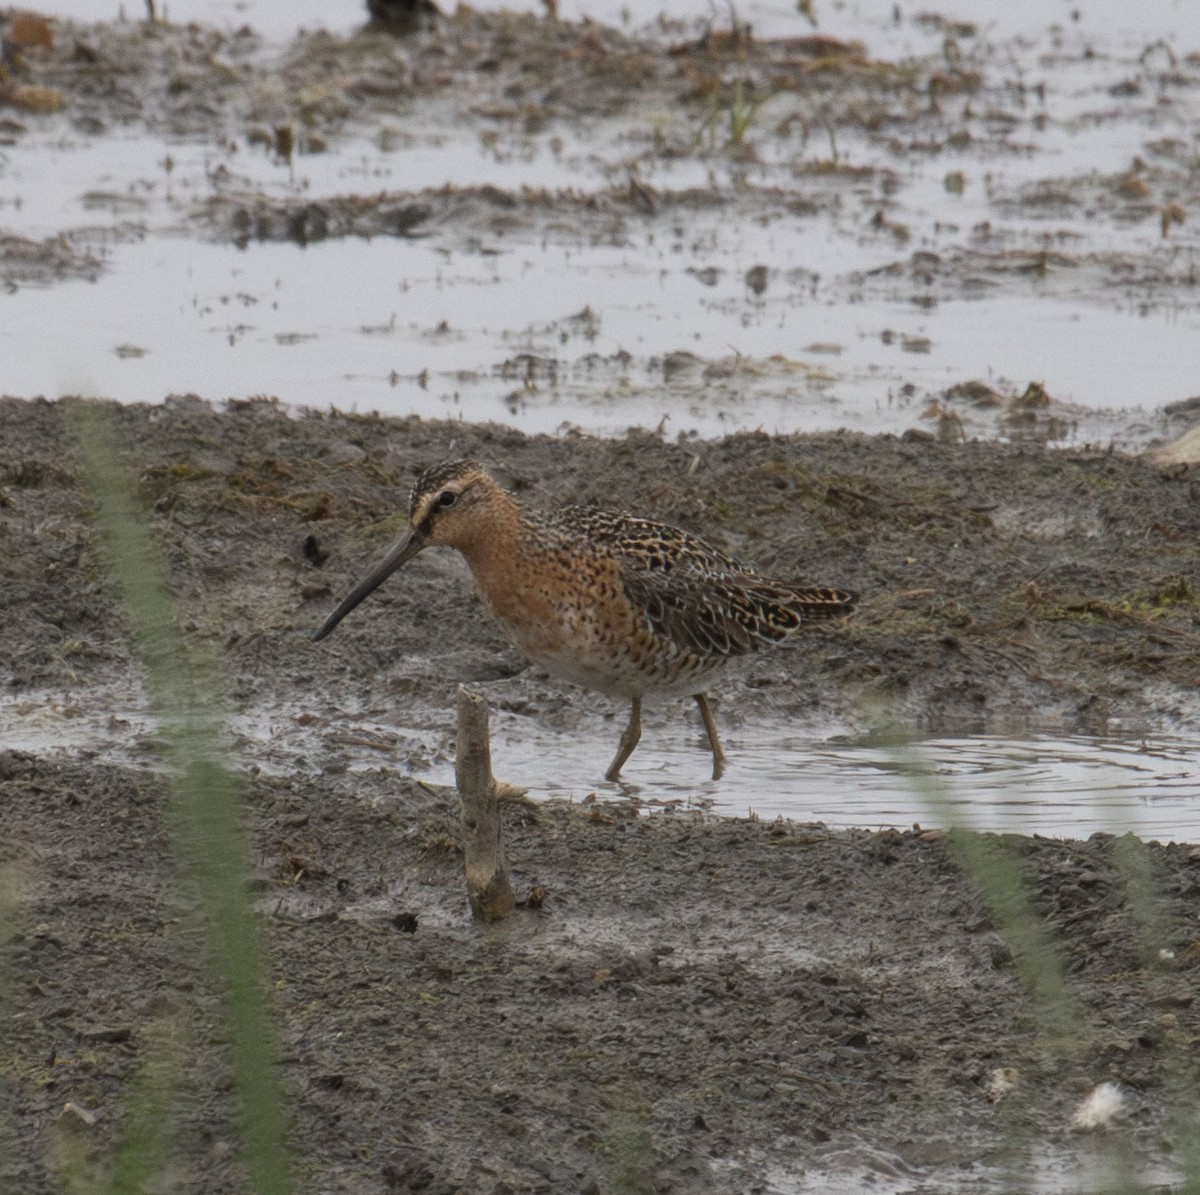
569,614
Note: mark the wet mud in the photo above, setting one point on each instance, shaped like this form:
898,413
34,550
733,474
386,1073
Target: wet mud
918,182
682,1003
688,1003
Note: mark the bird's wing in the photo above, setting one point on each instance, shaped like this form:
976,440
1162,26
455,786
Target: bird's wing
699,598
694,615
727,615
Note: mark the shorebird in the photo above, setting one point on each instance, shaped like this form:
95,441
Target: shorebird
612,602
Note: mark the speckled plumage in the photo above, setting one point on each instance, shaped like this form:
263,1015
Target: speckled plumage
620,604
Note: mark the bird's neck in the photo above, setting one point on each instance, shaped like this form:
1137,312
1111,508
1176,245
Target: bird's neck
495,540
511,560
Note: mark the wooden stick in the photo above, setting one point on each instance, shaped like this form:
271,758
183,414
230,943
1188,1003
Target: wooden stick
488,887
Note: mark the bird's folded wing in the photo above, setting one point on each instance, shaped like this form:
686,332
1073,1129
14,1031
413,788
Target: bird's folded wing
730,615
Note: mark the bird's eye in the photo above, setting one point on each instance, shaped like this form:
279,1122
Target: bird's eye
447,498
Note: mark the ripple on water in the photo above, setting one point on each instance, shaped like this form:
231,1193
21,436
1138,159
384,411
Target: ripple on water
1051,784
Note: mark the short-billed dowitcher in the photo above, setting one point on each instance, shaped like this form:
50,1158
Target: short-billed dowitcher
611,602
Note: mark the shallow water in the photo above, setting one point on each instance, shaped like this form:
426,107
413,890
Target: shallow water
774,18
1050,1170
447,328
1050,784
334,326
1058,786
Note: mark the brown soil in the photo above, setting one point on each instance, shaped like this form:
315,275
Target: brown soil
699,1004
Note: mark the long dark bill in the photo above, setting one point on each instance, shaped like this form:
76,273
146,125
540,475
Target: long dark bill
405,549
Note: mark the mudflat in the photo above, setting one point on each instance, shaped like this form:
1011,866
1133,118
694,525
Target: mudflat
688,1003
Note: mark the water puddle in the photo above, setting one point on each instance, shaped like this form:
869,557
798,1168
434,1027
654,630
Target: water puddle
1058,786
105,720
742,316
411,329
1050,784
1050,1169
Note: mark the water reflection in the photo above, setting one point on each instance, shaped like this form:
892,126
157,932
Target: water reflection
1051,784
1058,786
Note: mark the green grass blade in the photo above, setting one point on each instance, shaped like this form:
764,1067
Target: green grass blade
205,805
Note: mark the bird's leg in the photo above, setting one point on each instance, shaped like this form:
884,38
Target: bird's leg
629,740
714,741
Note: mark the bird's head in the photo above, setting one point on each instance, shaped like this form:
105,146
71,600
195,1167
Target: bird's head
449,505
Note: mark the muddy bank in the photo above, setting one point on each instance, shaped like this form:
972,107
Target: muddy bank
698,1005
1002,584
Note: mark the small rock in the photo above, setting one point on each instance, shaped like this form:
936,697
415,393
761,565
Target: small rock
757,279
1002,1080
